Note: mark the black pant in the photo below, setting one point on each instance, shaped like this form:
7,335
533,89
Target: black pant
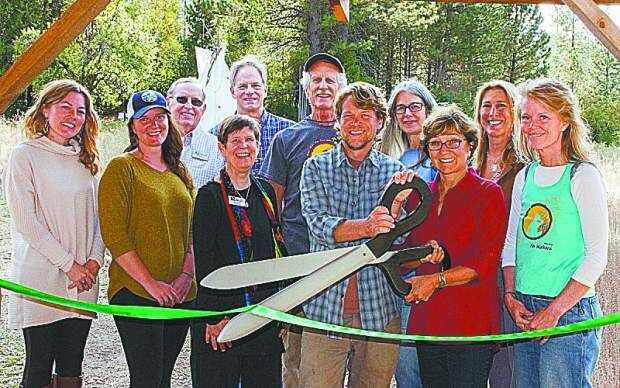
61,342
151,345
443,366
226,370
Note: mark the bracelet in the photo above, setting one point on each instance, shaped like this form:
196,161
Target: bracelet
188,274
442,280
510,293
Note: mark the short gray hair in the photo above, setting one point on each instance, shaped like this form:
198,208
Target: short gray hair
305,79
248,61
187,80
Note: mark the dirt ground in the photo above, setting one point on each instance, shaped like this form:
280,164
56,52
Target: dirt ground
104,364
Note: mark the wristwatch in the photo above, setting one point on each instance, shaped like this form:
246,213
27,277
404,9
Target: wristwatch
442,280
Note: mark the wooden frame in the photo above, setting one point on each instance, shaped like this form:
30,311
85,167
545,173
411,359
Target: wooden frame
81,13
45,49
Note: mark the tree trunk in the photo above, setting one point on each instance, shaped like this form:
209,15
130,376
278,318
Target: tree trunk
314,19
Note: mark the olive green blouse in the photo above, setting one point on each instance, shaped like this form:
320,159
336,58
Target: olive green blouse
148,211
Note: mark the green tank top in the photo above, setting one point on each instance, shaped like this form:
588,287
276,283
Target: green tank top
550,245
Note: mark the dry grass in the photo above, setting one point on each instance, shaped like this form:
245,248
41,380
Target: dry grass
104,364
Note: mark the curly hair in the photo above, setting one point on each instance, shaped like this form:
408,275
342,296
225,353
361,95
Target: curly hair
35,122
365,96
450,119
558,98
171,151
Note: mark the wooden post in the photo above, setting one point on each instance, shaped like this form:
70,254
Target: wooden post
45,49
340,8
598,22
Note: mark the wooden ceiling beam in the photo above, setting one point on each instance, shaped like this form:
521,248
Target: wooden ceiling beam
45,49
556,2
598,22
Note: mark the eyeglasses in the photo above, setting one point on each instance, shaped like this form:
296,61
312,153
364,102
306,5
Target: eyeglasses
413,107
183,100
452,144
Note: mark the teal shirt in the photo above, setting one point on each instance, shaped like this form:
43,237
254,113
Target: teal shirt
550,244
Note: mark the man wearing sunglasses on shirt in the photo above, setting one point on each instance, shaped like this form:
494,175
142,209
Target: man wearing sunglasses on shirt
186,101
248,85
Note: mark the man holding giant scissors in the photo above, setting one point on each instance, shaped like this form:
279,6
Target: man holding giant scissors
340,189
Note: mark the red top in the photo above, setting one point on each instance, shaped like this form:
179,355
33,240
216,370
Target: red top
472,227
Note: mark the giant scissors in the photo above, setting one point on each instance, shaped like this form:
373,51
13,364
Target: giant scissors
320,270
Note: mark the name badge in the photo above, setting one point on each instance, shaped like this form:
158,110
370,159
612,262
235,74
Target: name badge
237,201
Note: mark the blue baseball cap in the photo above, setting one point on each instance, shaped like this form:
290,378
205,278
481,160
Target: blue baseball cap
143,101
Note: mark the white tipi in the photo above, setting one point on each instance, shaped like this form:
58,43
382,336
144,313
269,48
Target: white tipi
214,73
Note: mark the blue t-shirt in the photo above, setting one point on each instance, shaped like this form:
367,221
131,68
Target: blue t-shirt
425,170
289,149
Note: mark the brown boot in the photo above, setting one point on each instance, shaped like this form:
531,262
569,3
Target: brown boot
67,382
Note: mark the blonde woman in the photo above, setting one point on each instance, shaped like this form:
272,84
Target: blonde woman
50,186
556,246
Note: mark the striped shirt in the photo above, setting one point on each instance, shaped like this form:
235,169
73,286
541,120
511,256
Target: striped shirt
332,191
201,157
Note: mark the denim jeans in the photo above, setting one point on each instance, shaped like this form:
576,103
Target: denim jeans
565,360
408,369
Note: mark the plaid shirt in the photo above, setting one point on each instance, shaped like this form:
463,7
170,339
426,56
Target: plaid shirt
332,191
269,125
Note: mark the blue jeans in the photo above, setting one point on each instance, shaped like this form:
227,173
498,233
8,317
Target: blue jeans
408,369
565,360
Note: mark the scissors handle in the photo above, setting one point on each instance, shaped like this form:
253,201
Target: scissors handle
382,242
390,266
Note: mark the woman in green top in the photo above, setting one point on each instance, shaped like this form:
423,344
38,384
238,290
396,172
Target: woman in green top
146,203
556,245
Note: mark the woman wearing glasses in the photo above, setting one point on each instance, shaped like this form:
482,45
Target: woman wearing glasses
468,217
146,199
556,247
408,106
496,113
235,221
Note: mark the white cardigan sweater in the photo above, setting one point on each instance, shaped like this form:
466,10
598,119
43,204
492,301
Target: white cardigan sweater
52,200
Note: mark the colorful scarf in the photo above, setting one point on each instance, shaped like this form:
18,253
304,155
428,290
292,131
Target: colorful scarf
241,225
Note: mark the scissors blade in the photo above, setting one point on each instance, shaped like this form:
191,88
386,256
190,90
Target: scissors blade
272,270
300,291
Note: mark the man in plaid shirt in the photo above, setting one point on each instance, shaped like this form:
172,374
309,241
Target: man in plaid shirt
340,190
248,85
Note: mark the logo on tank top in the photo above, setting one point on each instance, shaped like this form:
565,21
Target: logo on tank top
321,146
537,221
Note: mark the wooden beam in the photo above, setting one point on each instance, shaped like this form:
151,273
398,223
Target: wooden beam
45,49
598,22
340,8
557,2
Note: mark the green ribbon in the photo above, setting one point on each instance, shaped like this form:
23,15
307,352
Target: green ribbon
262,311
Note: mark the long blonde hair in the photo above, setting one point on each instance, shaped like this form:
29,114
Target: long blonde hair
35,123
483,138
557,97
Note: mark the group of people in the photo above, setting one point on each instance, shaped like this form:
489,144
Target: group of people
515,203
